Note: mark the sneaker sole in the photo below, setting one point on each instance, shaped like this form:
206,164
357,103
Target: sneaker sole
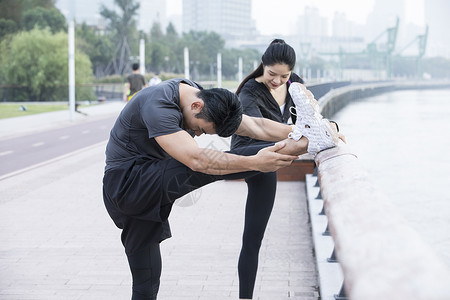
304,105
307,110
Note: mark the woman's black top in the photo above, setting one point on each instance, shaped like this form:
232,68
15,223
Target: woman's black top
257,101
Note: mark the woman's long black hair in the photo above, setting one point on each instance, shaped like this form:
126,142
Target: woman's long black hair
278,52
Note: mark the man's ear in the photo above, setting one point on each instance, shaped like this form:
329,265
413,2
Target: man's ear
197,106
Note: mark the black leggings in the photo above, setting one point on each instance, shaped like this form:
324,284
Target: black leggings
260,200
145,266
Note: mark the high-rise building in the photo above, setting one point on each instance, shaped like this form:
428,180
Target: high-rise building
230,18
84,11
88,11
151,12
384,16
311,24
436,16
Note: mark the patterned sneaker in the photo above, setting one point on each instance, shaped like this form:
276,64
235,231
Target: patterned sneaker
310,122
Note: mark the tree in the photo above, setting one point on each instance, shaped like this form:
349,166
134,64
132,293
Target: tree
123,28
14,9
230,58
7,27
42,18
203,48
175,63
11,10
97,46
38,60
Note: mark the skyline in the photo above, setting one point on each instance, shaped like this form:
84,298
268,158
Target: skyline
282,18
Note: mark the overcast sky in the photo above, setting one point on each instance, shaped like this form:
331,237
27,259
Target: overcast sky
278,17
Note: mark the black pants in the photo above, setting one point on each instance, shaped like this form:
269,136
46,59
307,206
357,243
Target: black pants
260,200
139,196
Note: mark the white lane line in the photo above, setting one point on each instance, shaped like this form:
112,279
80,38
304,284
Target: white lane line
38,144
103,144
64,137
5,153
86,131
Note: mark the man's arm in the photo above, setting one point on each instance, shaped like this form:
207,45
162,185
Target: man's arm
182,147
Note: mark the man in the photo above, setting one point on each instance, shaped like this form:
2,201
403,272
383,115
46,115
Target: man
152,159
135,83
154,80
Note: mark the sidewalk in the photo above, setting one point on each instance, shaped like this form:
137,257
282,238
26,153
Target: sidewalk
57,241
32,123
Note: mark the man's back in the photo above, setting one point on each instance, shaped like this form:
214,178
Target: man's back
137,82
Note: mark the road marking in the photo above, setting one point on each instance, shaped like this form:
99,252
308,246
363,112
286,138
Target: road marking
5,152
103,144
85,131
64,137
38,144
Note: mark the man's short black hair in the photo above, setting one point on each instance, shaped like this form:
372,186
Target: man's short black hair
135,66
223,108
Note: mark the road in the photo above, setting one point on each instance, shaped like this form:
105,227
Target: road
26,151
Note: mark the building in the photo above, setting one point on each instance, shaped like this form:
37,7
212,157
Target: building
436,16
84,11
151,12
88,11
229,18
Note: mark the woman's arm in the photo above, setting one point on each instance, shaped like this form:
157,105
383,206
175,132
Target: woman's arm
263,129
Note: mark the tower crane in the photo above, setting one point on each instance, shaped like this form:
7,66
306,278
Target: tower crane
421,42
380,54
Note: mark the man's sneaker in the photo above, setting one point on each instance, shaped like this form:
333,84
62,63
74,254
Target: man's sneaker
310,122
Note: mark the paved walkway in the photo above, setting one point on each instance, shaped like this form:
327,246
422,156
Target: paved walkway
57,241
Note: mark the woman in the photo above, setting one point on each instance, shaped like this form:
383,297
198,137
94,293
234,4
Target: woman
263,93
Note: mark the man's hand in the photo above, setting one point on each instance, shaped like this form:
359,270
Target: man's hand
268,160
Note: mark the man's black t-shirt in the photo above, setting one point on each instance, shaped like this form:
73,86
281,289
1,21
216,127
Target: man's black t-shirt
153,112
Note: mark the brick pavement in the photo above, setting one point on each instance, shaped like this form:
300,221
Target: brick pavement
57,241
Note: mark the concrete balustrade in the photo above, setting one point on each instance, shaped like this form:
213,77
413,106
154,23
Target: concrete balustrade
381,256
341,94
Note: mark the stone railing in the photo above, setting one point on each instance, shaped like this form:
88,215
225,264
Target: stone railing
379,254
364,248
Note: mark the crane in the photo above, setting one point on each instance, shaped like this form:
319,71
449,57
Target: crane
378,53
421,42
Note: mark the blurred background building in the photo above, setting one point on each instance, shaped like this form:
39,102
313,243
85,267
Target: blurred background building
314,33
232,19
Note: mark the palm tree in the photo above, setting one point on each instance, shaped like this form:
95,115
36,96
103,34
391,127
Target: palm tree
123,28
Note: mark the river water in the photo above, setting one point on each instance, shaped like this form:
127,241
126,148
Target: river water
402,139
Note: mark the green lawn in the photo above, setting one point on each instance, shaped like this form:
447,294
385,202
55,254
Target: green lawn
11,110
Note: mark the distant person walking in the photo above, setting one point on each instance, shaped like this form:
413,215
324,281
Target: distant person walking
154,80
135,83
